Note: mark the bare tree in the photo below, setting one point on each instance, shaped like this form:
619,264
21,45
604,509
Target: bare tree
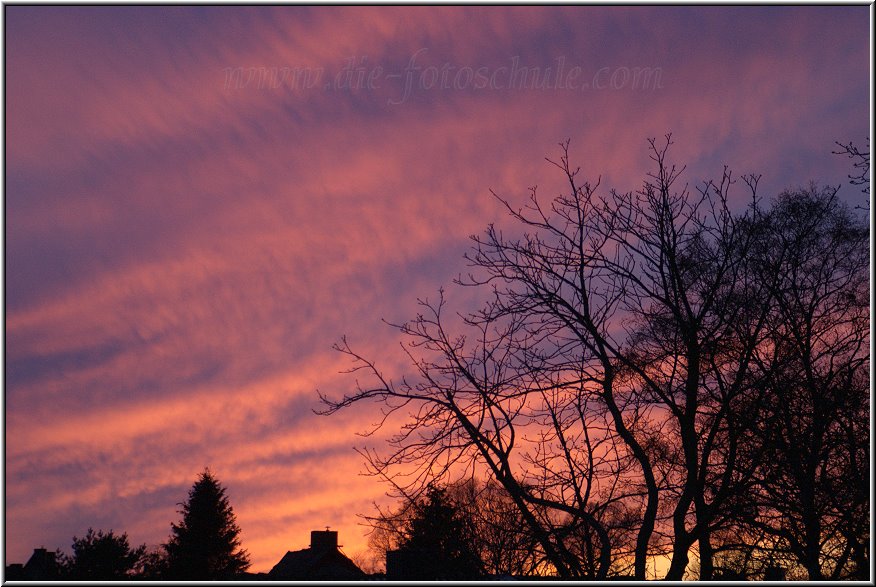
695,318
559,283
617,382
812,484
474,404
504,545
861,162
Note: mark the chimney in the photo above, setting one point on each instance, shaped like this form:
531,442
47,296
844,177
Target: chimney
323,539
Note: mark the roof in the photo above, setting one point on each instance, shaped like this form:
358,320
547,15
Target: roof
310,564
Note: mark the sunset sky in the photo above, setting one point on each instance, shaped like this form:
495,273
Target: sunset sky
186,237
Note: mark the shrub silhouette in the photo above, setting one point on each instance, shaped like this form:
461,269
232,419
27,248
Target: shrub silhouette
101,556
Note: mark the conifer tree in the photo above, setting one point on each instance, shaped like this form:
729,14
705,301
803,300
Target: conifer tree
441,538
205,544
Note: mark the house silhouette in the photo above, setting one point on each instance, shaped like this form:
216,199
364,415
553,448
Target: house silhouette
42,566
323,561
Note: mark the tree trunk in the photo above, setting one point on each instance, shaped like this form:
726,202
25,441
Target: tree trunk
813,548
650,515
679,562
704,535
707,564
682,539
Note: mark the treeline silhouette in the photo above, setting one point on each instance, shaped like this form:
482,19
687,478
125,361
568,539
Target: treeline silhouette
204,545
653,376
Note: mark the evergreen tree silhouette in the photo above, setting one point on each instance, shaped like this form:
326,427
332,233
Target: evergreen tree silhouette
205,544
441,538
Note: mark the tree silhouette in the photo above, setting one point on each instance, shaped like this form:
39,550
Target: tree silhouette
153,564
495,532
695,315
441,539
205,544
102,557
621,375
811,485
861,162
589,309
500,535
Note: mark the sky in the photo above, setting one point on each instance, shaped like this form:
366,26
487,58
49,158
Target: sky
199,201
